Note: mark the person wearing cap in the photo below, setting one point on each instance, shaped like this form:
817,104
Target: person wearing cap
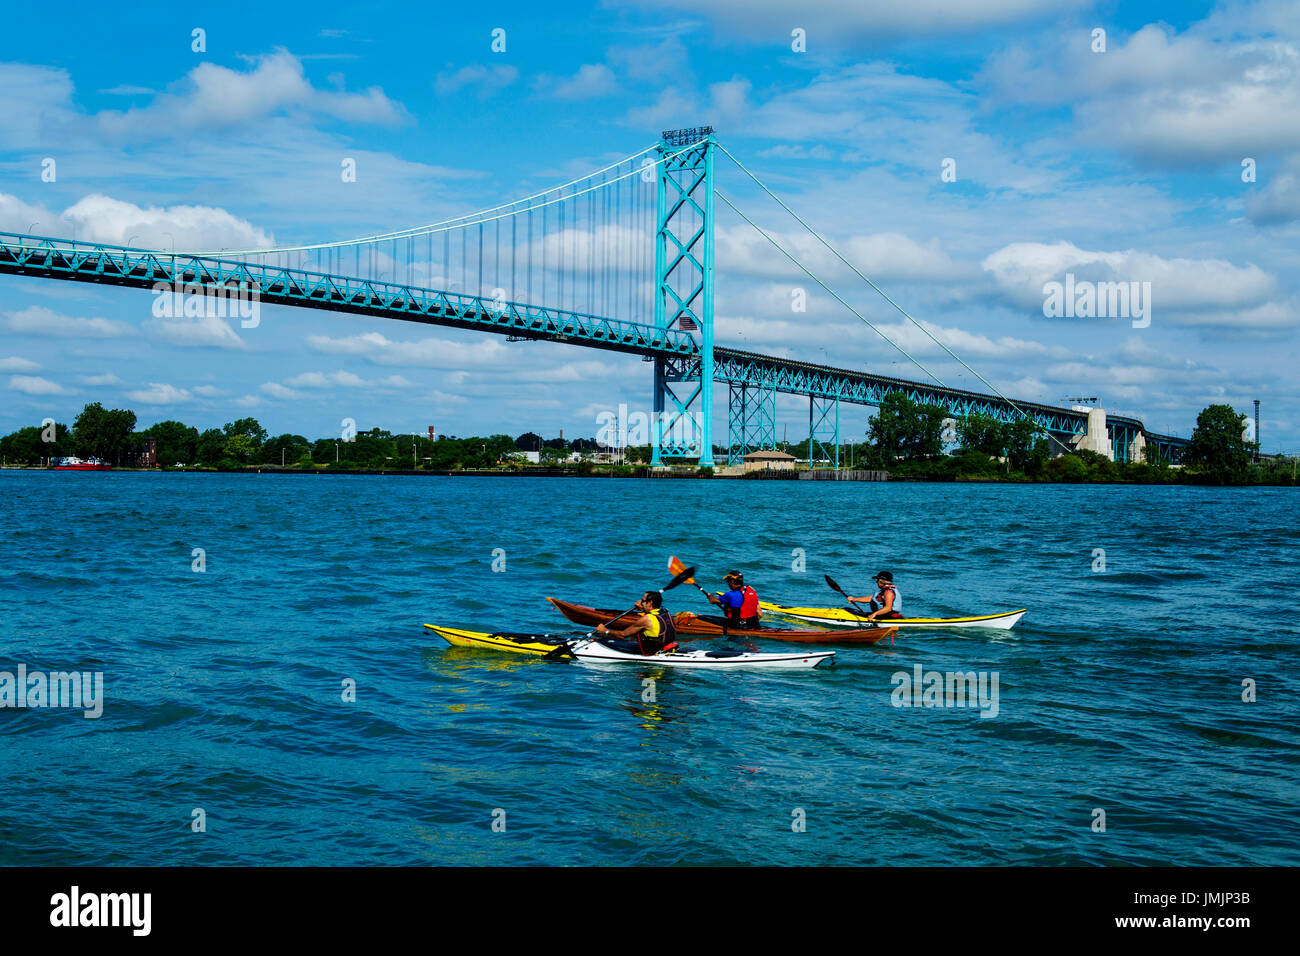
887,602
740,603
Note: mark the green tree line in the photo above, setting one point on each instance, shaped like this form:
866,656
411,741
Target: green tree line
111,435
905,438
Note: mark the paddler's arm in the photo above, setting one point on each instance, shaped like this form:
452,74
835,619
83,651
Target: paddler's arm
856,600
636,627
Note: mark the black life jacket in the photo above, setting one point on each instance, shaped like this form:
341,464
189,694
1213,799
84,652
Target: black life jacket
667,631
667,626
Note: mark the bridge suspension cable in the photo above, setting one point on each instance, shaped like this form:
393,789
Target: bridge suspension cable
585,246
452,223
856,271
838,298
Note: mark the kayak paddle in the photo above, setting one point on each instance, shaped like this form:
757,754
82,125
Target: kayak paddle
686,574
836,587
676,567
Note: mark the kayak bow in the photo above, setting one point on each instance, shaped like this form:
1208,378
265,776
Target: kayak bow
519,643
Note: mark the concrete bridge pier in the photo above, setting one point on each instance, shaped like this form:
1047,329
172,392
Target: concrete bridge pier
1097,437
1106,440
1137,449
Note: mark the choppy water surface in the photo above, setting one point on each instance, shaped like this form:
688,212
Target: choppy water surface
1121,690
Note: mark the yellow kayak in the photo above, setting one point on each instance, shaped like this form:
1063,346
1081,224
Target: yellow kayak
538,644
848,617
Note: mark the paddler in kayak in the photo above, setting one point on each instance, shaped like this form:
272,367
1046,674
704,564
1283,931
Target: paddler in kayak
885,603
651,632
740,603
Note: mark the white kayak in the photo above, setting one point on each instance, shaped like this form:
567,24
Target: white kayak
848,617
721,658
586,649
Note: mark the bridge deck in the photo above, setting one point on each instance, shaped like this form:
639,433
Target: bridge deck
146,269
142,269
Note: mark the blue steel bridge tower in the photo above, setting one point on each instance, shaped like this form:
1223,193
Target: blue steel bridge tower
683,295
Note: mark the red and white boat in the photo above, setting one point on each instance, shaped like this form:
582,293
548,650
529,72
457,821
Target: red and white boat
80,464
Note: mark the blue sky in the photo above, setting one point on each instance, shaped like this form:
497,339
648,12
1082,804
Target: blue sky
1121,165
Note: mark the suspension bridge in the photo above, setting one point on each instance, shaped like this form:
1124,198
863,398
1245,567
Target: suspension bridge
622,260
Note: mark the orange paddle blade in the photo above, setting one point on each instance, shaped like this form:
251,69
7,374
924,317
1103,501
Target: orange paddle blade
677,567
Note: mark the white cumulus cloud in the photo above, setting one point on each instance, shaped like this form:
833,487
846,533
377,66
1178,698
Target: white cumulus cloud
484,80
214,97
207,331
34,385
100,218
159,393
591,81
1021,269
16,364
425,353
832,23
38,320
276,390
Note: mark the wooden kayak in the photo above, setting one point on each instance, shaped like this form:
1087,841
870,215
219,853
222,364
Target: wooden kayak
697,625
849,617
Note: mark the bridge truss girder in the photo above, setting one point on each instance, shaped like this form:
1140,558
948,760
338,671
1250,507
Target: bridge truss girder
823,431
1121,439
751,420
862,388
276,285
1166,449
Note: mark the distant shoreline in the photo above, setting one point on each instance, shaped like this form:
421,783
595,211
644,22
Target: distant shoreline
271,470
641,472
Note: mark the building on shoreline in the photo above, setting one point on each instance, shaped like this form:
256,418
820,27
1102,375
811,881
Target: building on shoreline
769,460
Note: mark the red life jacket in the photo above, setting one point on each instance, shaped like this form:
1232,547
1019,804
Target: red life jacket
748,603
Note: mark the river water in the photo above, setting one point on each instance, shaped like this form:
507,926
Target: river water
1120,692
